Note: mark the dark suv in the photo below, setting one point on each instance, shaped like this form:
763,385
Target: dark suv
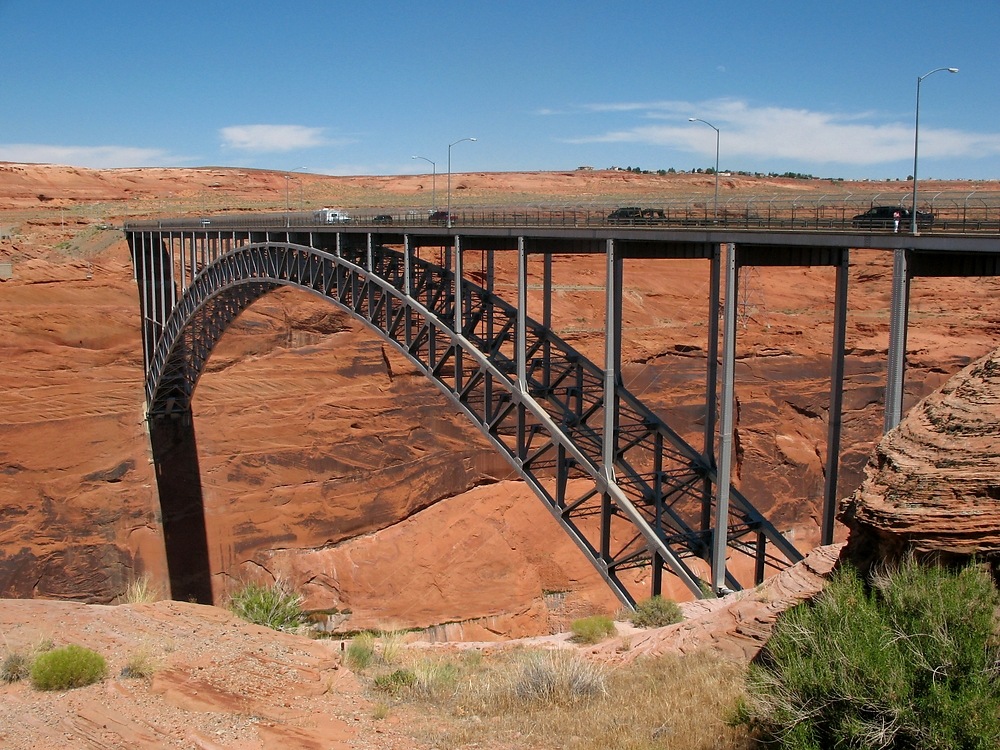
440,217
634,215
884,217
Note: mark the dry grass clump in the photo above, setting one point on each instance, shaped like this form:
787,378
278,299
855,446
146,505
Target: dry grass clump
141,664
16,664
140,590
374,648
559,699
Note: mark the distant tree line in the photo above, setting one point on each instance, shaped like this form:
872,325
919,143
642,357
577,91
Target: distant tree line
711,171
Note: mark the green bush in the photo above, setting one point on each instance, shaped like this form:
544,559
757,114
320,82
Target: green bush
395,682
593,629
274,606
360,651
911,662
656,612
67,667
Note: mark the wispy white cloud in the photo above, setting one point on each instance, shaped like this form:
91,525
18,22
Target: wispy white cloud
275,138
94,157
859,138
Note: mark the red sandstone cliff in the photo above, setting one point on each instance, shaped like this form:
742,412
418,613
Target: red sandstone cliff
328,460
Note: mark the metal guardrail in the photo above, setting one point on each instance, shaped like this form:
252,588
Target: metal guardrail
972,212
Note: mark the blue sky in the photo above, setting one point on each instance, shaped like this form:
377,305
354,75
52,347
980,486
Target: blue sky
360,87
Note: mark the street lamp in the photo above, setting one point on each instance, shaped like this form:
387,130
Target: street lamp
916,140
434,202
698,119
449,174
287,175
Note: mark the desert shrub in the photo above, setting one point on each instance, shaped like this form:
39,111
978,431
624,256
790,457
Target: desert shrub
557,678
16,666
396,681
360,652
274,606
559,699
390,645
435,678
911,662
536,681
592,629
656,612
67,667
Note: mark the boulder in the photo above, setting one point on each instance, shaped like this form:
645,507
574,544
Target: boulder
932,486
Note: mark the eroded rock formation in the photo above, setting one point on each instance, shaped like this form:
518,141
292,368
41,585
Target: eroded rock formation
933,485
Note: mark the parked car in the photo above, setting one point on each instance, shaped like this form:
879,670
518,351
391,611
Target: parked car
633,215
439,217
883,217
382,219
331,216
625,215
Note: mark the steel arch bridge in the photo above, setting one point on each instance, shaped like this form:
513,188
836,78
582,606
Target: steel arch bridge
625,487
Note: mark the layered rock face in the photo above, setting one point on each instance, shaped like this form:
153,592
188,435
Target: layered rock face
933,485
327,459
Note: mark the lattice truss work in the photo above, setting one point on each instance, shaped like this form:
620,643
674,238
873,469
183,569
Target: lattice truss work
652,509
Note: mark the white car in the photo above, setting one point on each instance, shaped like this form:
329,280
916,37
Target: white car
331,216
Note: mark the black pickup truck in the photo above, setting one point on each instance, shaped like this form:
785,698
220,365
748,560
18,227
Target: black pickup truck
891,217
635,216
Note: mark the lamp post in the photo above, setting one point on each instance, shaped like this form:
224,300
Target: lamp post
434,202
449,174
916,141
698,119
287,175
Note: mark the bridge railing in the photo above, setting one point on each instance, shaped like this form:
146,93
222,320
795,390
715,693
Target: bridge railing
972,212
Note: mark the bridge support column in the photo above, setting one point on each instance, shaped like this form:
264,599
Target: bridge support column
721,530
836,401
612,368
459,316
711,381
407,287
898,313
612,357
547,320
522,314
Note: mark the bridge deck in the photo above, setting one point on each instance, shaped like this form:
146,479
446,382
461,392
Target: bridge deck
559,418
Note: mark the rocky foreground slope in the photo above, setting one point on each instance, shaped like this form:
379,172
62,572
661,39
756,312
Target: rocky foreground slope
219,682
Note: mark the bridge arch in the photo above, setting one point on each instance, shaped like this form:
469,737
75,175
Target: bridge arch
649,507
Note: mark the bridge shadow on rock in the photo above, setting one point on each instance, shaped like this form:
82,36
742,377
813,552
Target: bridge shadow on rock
178,480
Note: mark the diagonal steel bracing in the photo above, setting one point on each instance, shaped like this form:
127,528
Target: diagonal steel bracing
551,423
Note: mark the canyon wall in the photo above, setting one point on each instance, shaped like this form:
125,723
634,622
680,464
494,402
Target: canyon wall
329,461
